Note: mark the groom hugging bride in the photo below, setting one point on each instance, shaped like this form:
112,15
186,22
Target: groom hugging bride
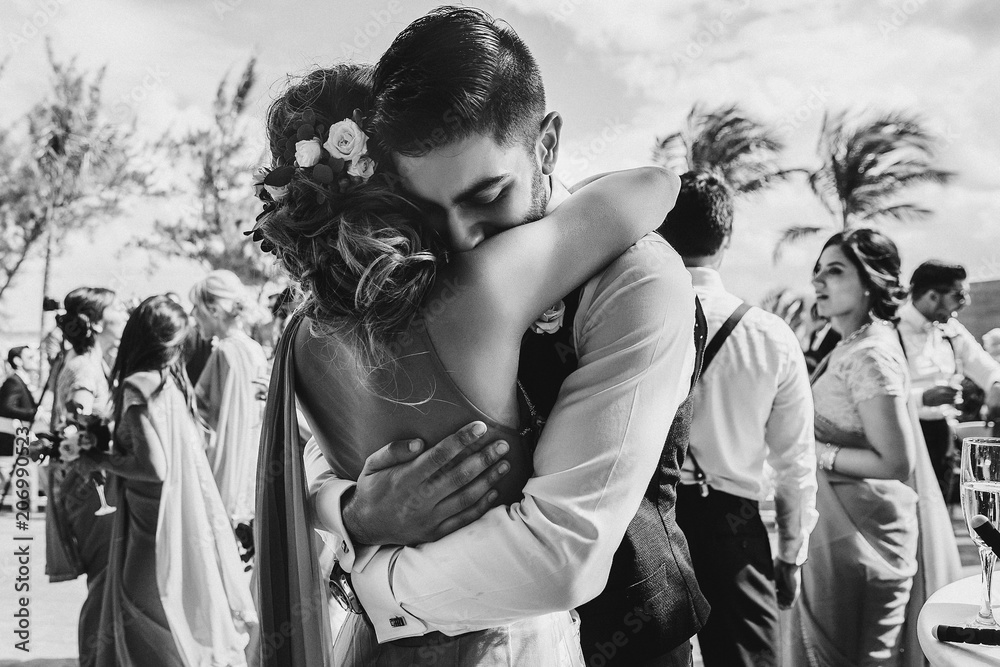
527,350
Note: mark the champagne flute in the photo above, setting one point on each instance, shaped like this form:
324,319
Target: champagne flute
981,495
98,478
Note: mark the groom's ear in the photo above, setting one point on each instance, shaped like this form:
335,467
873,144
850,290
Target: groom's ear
547,146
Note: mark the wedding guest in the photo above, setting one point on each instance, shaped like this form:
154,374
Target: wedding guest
940,351
77,540
228,388
176,593
865,576
16,399
753,404
991,343
821,341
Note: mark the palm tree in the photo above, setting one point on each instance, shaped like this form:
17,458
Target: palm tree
727,142
865,166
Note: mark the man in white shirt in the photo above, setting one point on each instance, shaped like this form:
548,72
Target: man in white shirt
600,462
753,404
941,351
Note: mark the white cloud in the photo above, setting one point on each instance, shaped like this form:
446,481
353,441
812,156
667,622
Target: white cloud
621,73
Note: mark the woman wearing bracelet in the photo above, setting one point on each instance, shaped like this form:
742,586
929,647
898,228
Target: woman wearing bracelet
859,585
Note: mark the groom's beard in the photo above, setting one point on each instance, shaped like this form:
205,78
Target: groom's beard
538,199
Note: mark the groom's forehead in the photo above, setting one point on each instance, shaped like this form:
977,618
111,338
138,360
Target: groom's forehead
446,171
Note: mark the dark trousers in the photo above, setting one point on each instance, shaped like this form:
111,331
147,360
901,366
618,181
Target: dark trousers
941,448
732,560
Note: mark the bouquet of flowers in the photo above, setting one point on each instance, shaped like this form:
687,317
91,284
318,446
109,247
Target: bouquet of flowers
80,433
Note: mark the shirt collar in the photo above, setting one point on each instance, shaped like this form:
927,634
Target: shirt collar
705,277
914,318
558,195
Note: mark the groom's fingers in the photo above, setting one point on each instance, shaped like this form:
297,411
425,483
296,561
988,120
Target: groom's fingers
472,502
441,456
465,484
393,454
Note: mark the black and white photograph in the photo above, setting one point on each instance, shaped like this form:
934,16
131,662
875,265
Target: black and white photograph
500,333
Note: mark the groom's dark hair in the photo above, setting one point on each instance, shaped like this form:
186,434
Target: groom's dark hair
452,73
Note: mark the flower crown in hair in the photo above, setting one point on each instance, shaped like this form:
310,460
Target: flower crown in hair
336,165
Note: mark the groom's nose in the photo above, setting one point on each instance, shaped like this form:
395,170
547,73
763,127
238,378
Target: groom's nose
465,231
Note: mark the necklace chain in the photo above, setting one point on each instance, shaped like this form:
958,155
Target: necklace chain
860,330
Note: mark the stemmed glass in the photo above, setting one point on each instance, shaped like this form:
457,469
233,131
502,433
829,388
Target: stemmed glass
99,478
981,495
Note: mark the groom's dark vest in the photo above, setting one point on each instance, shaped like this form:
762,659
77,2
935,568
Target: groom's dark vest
652,602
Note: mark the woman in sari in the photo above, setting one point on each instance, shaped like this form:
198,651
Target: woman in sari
76,539
871,560
386,345
176,594
228,387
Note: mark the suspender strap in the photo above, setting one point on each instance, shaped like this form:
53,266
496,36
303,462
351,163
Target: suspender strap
722,334
710,351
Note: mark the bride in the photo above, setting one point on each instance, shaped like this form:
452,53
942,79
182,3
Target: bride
393,339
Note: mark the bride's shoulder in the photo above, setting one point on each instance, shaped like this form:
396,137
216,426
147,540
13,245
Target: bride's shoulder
314,345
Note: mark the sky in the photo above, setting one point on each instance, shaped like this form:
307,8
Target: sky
621,74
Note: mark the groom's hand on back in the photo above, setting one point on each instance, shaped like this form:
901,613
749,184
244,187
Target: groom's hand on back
407,494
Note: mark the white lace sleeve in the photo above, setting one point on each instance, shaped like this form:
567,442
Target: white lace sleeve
876,371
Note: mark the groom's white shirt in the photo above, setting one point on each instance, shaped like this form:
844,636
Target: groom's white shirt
597,453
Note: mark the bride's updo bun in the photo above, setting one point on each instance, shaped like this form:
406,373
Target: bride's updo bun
359,252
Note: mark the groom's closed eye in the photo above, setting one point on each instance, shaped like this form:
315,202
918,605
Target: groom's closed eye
487,199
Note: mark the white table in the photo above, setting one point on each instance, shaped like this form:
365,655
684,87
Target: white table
956,604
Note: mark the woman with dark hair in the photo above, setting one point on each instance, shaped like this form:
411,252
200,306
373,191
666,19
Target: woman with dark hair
92,325
77,540
176,593
393,338
872,559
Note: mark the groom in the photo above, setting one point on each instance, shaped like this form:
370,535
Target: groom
460,105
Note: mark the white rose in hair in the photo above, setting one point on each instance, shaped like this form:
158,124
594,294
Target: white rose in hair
307,152
364,167
346,140
258,180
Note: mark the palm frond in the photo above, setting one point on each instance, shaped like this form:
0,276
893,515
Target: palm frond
769,179
791,235
899,213
867,163
672,152
728,142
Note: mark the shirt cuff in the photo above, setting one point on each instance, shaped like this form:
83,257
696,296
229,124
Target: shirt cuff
327,507
373,584
793,552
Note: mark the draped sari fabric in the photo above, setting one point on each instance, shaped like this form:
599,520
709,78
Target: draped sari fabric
292,594
938,562
881,547
227,399
188,602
